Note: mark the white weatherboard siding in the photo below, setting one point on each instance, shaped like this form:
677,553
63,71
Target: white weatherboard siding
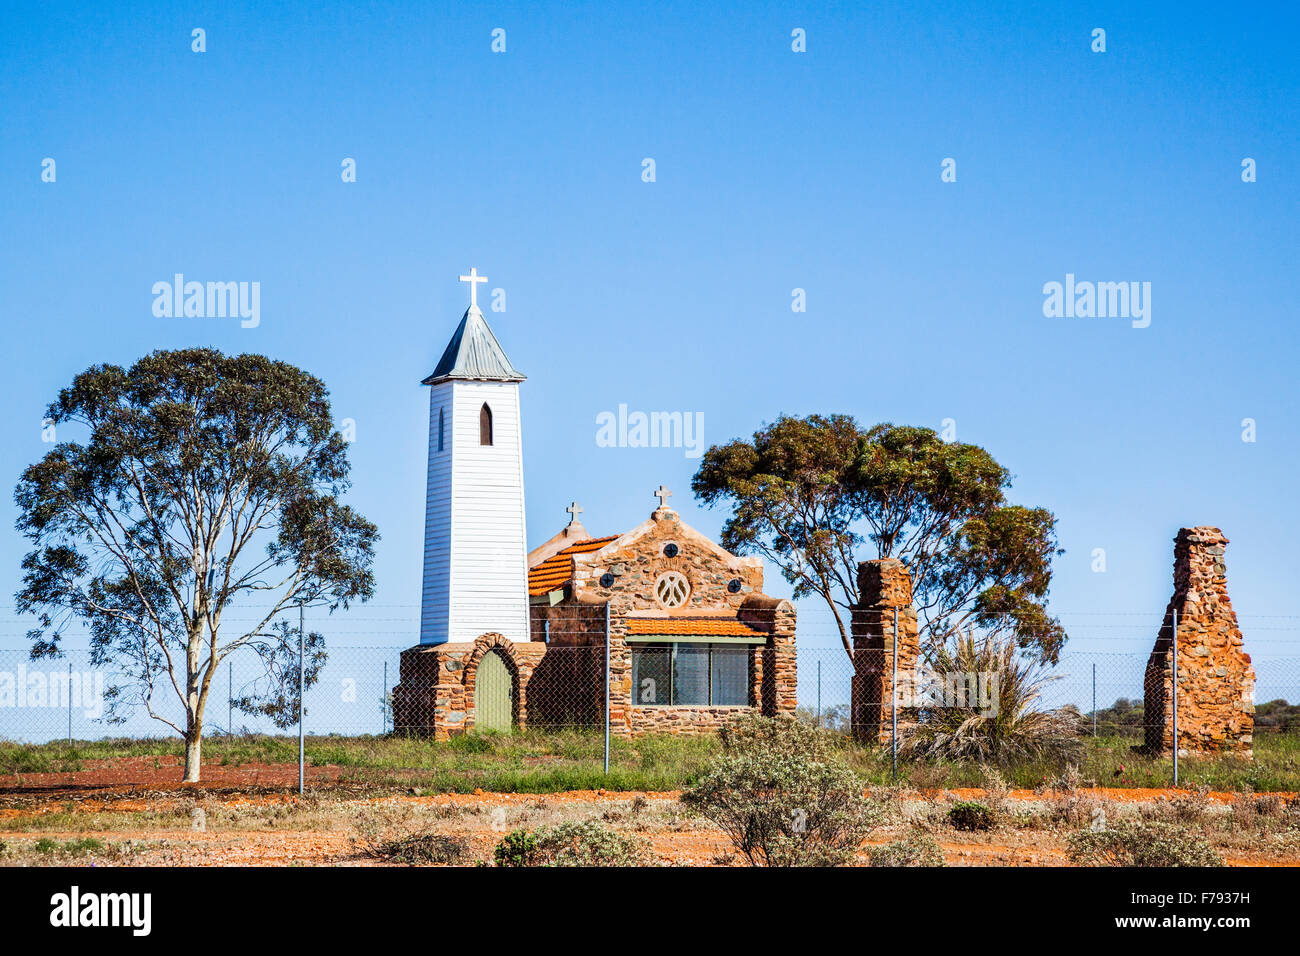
437,523
475,556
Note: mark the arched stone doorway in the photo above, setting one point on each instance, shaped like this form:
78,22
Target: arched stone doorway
494,693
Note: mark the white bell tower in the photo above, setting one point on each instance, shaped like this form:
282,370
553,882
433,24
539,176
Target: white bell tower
475,555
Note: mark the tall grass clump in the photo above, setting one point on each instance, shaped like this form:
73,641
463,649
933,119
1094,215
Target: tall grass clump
1015,729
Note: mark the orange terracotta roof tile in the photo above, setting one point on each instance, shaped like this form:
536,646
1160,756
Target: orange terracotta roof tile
701,626
557,570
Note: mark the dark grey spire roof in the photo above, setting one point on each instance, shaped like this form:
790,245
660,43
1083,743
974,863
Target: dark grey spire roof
474,354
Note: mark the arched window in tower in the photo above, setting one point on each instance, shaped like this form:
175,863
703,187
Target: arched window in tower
442,427
485,425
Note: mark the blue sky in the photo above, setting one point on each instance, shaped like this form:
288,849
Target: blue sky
775,170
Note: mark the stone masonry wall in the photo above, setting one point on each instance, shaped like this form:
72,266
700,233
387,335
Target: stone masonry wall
680,720
709,570
884,586
562,682
776,678
1216,683
435,697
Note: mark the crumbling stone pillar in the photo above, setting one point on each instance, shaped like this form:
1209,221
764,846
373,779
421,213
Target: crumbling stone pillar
884,585
1216,683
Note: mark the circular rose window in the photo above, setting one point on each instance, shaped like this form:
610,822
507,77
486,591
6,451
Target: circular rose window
672,589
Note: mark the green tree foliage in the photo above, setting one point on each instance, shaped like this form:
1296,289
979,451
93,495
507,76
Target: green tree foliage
817,495
203,481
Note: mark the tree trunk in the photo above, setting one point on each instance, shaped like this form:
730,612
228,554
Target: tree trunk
844,634
193,708
193,751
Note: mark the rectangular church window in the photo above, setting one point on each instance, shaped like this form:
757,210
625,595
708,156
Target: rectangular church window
730,676
690,675
652,669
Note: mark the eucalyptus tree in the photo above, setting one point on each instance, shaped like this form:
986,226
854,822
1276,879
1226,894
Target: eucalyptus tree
817,495
203,483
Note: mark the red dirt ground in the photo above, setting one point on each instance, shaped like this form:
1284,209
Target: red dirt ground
152,774
144,783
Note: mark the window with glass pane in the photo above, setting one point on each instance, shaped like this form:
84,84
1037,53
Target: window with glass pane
691,674
652,668
730,677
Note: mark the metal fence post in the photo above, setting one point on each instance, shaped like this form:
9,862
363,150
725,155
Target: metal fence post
607,687
1094,698
819,693
69,701
893,694
230,698
1175,696
302,669
383,703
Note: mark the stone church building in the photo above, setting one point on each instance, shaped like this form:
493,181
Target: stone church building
511,638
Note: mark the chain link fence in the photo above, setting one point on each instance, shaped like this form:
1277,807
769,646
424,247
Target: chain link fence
1106,688
353,695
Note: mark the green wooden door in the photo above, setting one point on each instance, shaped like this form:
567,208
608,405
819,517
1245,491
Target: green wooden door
492,694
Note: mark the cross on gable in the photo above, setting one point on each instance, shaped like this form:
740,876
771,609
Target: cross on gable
663,494
573,510
473,279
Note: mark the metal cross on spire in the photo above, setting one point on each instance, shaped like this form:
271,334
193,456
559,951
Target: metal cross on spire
473,279
573,510
663,494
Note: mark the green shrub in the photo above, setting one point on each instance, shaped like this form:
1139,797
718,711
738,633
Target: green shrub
918,848
971,816
78,847
783,795
517,848
586,843
1142,843
475,743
